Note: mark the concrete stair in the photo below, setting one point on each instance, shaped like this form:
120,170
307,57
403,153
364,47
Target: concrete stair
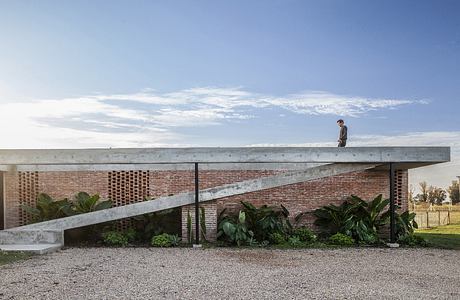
33,241
51,232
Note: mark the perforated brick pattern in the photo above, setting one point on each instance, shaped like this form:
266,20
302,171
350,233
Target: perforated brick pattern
28,191
128,187
400,187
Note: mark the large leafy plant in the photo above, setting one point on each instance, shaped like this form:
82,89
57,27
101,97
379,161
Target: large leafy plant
47,209
355,217
235,230
405,224
84,203
266,220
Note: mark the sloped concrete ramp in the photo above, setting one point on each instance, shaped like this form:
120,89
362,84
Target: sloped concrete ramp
29,234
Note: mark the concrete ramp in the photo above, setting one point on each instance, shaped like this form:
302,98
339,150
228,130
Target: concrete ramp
162,203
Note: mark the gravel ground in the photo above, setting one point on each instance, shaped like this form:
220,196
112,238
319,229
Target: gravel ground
149,273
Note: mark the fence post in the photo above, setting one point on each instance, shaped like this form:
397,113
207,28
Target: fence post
439,218
448,217
427,221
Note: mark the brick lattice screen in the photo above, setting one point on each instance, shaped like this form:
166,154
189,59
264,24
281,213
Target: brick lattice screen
28,191
399,187
128,187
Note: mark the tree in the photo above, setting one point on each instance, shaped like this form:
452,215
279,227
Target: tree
423,196
411,193
436,195
454,192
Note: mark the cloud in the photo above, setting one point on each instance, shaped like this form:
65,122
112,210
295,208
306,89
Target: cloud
151,118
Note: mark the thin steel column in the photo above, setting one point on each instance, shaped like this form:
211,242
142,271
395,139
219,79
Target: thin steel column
392,205
197,207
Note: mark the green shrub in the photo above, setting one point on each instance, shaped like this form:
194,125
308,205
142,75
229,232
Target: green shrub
341,240
175,240
355,217
305,235
265,220
115,238
294,241
234,230
277,238
412,240
131,234
165,240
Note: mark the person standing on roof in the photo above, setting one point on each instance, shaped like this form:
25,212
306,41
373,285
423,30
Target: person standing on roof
343,135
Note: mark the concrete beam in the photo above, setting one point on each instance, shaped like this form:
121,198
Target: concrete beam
182,199
226,155
165,167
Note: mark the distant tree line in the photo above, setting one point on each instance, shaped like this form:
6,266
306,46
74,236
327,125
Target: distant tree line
435,195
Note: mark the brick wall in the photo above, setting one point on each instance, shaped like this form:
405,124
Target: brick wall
11,199
297,198
61,185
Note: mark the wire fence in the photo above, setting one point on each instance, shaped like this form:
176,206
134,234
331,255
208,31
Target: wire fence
427,219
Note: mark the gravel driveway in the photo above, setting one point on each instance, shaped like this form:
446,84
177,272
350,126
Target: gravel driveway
149,273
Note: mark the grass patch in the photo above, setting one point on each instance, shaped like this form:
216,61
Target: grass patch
447,237
9,257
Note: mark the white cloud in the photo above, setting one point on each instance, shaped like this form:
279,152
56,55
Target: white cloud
150,118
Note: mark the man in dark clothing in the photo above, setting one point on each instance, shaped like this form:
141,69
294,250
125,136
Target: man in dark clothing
343,133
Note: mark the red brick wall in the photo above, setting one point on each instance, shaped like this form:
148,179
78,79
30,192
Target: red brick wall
297,198
11,199
61,185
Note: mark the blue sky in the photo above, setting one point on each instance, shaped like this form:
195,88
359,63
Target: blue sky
231,73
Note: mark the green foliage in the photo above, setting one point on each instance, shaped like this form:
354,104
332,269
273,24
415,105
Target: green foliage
189,227
156,223
294,241
412,240
277,238
436,195
266,220
47,209
203,223
175,240
235,230
405,224
165,240
305,234
355,217
454,192
341,240
115,238
9,257
84,203
252,222
131,234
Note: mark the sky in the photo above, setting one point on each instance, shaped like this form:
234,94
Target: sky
91,74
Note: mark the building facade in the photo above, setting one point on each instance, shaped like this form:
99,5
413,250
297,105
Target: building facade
130,186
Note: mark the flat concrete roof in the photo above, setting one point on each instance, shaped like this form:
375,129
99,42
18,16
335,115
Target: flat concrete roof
415,156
